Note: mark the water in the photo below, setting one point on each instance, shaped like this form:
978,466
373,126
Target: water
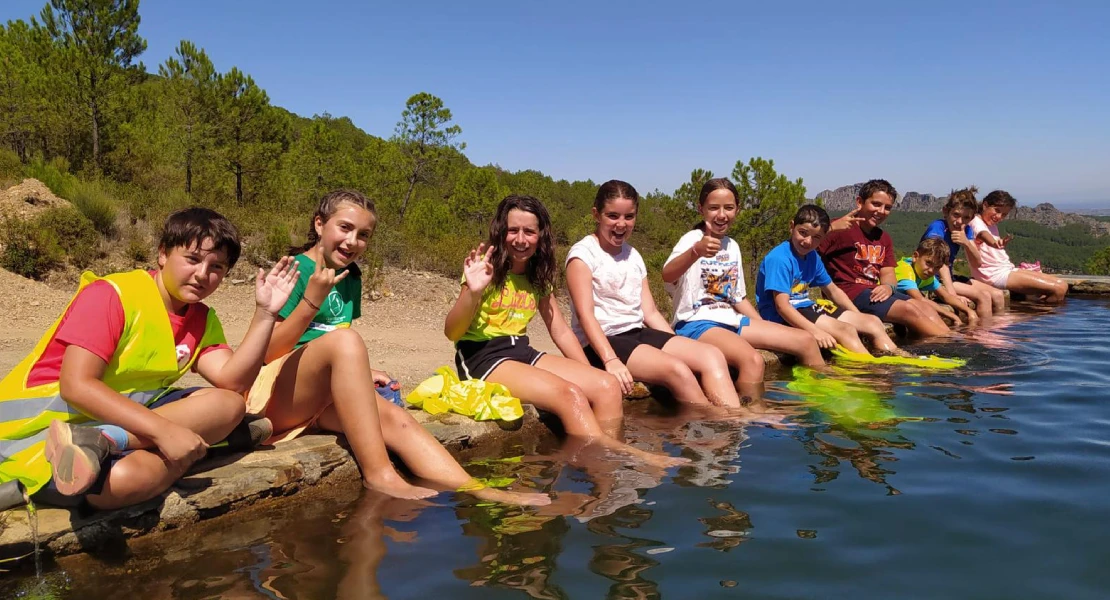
987,482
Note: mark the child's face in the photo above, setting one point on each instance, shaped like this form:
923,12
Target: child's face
924,268
805,237
345,235
719,211
874,210
957,219
993,215
192,274
522,235
615,222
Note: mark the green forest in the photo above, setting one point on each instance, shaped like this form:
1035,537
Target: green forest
127,144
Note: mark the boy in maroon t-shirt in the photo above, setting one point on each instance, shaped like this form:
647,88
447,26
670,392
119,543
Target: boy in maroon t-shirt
859,257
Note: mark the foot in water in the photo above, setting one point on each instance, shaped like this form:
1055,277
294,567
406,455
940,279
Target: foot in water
510,497
388,482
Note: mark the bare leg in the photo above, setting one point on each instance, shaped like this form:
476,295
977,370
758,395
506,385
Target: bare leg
918,316
998,298
741,356
656,367
984,302
426,457
708,363
780,338
333,372
141,475
845,333
547,391
871,326
601,389
1050,288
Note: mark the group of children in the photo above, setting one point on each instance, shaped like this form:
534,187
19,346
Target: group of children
91,417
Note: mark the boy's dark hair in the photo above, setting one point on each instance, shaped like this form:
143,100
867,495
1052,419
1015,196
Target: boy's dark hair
541,270
875,186
710,186
613,189
962,200
811,214
933,251
190,227
999,198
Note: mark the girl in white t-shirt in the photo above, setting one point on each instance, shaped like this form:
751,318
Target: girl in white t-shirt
991,264
705,275
615,317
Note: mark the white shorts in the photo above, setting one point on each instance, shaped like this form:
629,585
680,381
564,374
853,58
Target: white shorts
997,276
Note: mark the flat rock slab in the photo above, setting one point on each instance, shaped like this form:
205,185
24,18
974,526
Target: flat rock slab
225,482
1087,285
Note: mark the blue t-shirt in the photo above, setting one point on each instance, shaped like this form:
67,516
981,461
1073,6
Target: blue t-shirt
782,270
939,229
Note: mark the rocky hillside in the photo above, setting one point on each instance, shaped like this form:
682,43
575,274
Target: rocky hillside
843,199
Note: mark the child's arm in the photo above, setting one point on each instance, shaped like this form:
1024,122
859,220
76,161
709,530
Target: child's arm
236,370
942,310
837,295
887,283
288,331
477,273
957,302
652,317
560,333
795,319
580,286
944,274
745,308
82,387
707,247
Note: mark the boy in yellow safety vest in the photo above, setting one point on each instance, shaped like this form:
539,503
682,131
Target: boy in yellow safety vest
90,413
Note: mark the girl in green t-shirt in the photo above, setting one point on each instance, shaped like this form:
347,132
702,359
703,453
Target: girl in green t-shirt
506,281
318,372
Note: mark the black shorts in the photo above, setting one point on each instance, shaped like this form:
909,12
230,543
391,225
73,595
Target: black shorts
879,309
817,309
625,343
477,359
960,279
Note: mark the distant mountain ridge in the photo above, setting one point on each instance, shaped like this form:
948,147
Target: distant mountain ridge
843,199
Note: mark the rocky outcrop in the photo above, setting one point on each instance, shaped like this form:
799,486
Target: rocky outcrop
843,199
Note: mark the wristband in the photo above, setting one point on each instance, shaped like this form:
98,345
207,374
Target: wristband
310,304
611,360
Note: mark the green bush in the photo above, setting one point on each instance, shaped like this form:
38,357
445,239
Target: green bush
74,233
137,249
29,250
97,205
276,243
1099,264
55,175
10,167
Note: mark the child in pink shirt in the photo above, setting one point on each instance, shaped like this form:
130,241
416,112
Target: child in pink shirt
990,263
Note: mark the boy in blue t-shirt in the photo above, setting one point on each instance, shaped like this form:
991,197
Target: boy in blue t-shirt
788,271
917,276
959,210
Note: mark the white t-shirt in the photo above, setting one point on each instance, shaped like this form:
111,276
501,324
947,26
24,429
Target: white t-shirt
996,261
709,288
617,283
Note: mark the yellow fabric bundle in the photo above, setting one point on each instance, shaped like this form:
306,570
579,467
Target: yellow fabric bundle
474,398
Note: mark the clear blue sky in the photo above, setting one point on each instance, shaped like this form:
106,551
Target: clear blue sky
930,95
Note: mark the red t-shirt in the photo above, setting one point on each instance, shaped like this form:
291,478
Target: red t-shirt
94,321
854,258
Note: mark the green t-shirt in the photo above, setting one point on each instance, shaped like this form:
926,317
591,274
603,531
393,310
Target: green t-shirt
908,278
506,311
342,305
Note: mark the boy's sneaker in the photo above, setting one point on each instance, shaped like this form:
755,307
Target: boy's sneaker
250,433
76,453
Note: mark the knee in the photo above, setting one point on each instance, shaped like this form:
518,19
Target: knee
841,329
715,362
577,398
1061,287
609,391
754,366
392,416
679,374
228,404
345,343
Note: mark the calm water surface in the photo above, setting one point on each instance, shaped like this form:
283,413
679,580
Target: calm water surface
991,481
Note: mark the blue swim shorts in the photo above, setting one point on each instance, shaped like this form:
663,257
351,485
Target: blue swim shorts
694,329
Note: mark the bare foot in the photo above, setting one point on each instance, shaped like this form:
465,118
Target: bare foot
388,482
662,461
508,497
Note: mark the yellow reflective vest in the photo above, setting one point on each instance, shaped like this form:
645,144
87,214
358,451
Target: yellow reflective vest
143,367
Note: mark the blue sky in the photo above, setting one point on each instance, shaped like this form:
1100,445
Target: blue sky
930,95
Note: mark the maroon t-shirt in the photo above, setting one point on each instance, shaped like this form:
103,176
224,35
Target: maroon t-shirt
854,258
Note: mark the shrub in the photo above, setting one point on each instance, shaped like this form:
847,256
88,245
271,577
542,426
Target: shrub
137,249
97,205
276,243
29,250
10,167
1099,264
74,233
55,175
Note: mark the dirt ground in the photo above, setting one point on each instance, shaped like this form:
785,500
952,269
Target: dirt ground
403,329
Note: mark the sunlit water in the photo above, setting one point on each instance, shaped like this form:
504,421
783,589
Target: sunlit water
992,481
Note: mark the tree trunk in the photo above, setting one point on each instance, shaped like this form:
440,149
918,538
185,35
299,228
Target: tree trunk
239,184
188,172
95,121
408,195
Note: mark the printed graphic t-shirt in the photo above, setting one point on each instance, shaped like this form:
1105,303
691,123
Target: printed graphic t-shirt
854,258
95,321
342,305
782,270
617,282
709,288
939,229
505,311
908,279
